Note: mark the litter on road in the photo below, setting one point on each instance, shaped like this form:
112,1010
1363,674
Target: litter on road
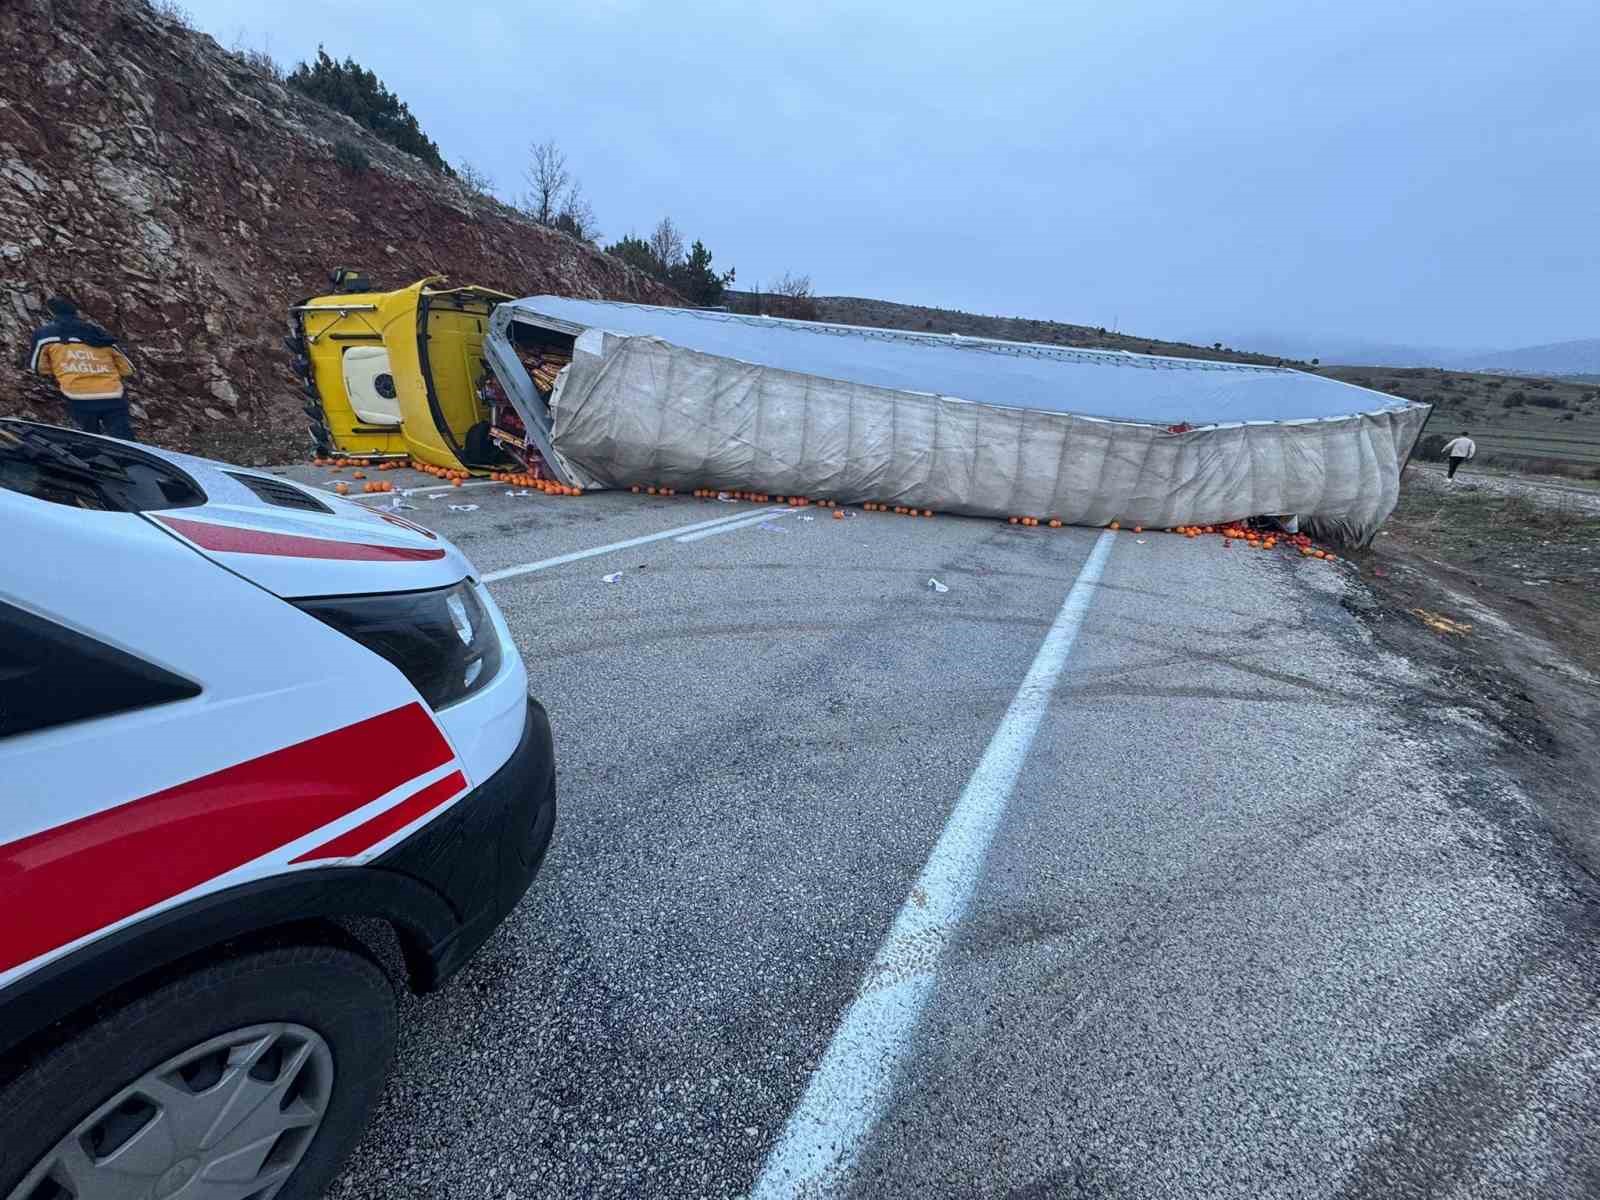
1442,624
614,577
936,586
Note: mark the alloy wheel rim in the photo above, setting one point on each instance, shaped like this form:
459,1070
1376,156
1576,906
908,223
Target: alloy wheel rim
230,1118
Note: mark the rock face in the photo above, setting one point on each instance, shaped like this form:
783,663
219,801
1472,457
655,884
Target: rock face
185,198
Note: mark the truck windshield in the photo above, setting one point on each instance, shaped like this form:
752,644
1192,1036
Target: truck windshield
81,471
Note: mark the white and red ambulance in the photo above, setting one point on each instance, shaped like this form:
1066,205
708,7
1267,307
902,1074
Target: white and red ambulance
242,725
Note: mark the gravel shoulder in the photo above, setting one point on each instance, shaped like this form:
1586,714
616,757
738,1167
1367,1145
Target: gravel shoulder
1513,568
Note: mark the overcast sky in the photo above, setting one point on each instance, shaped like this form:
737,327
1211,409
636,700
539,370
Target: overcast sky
1419,173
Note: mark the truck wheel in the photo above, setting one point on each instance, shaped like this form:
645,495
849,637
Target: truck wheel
249,1077
478,447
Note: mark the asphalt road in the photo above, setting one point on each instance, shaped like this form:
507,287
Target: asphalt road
1248,913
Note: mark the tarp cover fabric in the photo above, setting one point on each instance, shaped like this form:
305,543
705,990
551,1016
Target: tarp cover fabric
637,409
1094,383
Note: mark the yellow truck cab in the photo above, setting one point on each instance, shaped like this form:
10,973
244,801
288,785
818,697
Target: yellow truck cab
397,373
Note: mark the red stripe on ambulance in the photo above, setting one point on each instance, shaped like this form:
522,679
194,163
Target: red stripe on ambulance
233,539
60,884
390,821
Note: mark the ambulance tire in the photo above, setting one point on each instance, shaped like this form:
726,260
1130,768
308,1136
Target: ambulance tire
320,1017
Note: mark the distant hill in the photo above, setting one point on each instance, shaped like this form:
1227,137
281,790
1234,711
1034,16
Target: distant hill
1580,357
1352,351
886,314
1545,425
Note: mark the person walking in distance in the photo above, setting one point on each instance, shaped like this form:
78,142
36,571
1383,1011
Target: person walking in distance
1458,450
88,366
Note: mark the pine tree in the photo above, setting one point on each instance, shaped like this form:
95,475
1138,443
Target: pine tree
359,94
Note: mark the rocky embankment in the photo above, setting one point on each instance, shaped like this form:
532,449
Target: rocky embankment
185,198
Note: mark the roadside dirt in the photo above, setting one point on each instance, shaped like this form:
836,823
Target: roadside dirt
1498,590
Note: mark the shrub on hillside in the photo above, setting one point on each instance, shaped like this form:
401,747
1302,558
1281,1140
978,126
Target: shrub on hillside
790,297
358,93
694,279
1553,466
173,11
1515,400
1432,446
662,255
352,158
1547,401
636,252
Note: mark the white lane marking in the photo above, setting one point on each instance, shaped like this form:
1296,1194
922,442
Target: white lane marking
560,559
853,1083
730,526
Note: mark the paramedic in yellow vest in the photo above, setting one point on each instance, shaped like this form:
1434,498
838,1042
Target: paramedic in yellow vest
88,367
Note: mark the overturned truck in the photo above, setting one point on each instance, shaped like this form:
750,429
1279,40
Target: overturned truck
689,398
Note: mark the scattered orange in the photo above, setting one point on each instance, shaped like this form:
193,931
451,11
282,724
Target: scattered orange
837,515
342,488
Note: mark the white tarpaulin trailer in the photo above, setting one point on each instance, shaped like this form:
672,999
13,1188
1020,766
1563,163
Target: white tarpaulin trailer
688,398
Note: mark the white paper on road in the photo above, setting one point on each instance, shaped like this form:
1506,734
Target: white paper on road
686,399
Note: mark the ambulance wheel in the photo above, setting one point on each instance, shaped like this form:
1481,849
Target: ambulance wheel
252,1076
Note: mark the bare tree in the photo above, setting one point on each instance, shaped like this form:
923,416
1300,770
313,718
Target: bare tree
796,287
548,181
577,216
666,243
791,297
476,181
